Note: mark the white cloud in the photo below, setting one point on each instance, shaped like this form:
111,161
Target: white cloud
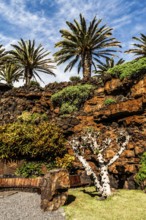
17,14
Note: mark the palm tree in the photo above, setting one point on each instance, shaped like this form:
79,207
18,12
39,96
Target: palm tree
84,45
2,55
102,68
10,73
32,60
140,48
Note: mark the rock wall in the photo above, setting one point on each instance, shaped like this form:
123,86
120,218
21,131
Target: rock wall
128,112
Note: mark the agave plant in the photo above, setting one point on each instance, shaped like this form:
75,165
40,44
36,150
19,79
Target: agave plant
140,47
102,68
10,73
85,45
31,60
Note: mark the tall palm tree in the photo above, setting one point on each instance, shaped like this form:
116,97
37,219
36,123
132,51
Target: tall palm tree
10,73
85,45
102,68
32,60
140,47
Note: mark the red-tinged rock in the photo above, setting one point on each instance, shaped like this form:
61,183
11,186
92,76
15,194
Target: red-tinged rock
135,119
92,164
144,98
56,110
139,89
47,94
109,154
100,91
93,101
131,160
131,168
112,169
94,104
130,146
85,118
112,85
33,95
119,109
138,150
128,153
84,124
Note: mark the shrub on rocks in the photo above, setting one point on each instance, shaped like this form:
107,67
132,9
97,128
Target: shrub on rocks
109,101
71,98
33,168
75,78
141,175
129,69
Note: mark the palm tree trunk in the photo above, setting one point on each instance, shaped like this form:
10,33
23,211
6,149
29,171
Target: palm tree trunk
87,62
27,77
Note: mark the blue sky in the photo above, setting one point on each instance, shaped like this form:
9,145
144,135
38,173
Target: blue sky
42,19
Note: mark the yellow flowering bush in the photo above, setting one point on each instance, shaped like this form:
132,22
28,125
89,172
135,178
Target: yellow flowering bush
65,162
28,140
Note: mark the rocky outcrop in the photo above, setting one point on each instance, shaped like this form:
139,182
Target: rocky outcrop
54,189
128,111
119,110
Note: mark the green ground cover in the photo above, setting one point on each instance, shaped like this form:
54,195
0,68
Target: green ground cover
82,204
129,69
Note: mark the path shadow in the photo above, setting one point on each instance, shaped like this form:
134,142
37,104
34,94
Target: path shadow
70,199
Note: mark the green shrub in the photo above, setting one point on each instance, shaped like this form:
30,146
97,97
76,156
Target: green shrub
31,141
33,168
67,108
32,118
34,83
141,175
75,78
71,98
129,69
109,101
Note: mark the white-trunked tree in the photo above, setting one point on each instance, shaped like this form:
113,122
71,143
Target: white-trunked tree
89,140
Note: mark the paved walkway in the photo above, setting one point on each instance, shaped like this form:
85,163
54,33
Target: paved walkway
25,206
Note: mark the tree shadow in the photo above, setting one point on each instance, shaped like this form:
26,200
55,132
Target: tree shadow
70,199
92,194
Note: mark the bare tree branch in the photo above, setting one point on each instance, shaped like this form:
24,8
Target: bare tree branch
122,148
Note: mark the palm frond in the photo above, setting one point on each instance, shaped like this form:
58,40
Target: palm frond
102,68
139,49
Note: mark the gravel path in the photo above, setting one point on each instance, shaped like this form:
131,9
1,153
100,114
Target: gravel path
25,206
